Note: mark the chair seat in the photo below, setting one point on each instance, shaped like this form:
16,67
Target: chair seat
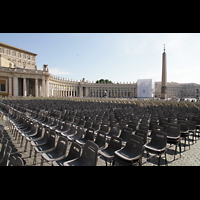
38,142
76,162
127,156
52,156
41,149
173,138
154,149
108,153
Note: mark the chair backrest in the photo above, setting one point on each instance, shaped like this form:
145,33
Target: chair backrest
80,131
173,130
34,128
144,127
6,156
88,124
72,128
40,130
132,125
89,155
66,126
4,144
197,120
18,162
61,146
114,131
95,126
12,161
101,139
126,133
192,125
104,128
184,125
159,128
89,135
115,143
75,151
1,135
142,134
134,143
159,139
81,122
51,139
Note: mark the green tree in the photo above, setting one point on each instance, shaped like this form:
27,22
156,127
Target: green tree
104,81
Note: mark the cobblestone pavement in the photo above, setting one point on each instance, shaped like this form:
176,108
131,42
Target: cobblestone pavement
189,157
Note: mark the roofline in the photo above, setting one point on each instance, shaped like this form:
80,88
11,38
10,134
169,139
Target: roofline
16,48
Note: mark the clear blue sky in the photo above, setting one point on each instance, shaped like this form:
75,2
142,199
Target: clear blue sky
122,57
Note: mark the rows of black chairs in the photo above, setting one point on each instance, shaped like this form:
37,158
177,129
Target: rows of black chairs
6,159
116,132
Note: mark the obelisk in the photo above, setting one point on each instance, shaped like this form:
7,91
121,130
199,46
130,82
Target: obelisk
164,76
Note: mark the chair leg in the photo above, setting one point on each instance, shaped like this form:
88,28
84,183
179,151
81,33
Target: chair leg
166,158
185,144
113,162
34,159
140,161
105,161
31,147
180,148
25,147
175,152
189,141
148,159
159,160
21,141
42,160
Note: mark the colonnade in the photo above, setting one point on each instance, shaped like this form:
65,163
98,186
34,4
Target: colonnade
25,86
62,90
89,90
117,91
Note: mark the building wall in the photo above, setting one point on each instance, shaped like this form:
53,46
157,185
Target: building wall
4,62
4,85
18,56
180,90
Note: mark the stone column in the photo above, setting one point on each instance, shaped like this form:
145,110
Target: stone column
36,87
10,86
24,87
15,86
47,87
43,87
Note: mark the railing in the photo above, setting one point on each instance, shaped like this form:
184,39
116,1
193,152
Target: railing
91,83
22,70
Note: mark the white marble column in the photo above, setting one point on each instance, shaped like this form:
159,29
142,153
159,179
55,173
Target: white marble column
47,87
36,87
43,87
10,86
24,87
15,86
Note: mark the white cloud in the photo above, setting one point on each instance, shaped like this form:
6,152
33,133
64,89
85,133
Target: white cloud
56,71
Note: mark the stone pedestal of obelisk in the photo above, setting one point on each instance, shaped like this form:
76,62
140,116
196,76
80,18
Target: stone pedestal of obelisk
164,77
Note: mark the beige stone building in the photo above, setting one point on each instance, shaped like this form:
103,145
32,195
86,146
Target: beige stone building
179,90
19,75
